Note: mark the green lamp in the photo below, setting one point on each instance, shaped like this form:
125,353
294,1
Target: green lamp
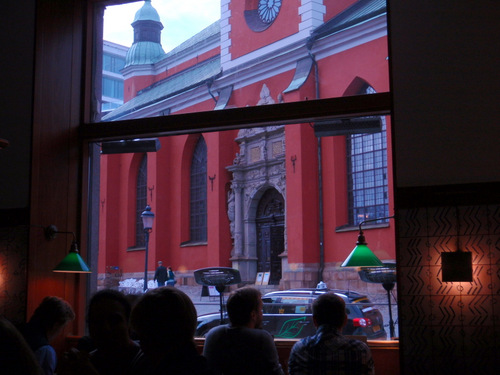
361,255
73,262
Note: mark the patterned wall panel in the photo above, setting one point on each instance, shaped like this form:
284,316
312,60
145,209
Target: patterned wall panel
449,327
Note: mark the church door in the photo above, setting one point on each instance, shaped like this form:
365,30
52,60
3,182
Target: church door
270,234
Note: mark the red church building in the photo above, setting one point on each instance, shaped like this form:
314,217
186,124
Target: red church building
282,199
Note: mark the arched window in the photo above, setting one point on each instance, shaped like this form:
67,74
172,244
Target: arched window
367,173
141,199
198,214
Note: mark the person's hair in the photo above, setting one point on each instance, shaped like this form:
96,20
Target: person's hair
163,317
329,309
52,311
110,295
241,303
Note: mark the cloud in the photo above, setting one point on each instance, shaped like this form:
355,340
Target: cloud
181,19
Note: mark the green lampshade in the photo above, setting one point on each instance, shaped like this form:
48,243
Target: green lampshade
362,256
73,262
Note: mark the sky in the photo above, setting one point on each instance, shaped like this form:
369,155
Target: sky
181,19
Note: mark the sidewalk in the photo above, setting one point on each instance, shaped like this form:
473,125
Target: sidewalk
204,305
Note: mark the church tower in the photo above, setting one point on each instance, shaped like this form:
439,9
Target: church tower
144,52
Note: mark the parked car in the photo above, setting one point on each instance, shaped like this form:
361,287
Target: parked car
287,314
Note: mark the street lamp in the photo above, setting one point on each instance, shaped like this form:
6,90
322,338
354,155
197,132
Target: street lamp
147,221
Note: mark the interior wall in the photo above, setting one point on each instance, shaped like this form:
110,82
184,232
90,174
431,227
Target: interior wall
449,327
16,97
444,70
445,78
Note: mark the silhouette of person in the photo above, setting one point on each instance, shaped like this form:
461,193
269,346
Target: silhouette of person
164,320
16,357
242,347
328,351
46,323
115,352
161,274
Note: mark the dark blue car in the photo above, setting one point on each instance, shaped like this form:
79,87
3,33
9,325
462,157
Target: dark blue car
287,314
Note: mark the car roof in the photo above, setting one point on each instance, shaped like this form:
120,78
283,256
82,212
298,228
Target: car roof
314,293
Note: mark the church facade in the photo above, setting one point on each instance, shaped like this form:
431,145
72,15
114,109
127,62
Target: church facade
281,199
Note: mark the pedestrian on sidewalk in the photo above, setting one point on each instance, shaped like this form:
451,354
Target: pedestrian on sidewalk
171,277
161,274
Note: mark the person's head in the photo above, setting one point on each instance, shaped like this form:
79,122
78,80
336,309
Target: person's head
244,307
160,263
163,318
52,315
329,309
108,317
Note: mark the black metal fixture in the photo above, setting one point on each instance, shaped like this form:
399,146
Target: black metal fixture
344,126
385,275
212,181
125,146
148,218
219,277
72,262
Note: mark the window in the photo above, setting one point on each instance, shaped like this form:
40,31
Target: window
209,122
141,200
198,217
235,50
112,88
113,63
367,174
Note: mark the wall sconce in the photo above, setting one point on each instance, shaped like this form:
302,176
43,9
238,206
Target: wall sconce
4,143
73,262
361,255
457,265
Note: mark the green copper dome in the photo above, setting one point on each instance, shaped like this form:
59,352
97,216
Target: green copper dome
146,48
147,13
144,53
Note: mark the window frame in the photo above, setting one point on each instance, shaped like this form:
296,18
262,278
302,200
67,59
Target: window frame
353,152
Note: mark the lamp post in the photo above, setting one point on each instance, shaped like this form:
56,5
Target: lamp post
147,221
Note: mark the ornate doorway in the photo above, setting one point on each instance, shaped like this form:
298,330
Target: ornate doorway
270,220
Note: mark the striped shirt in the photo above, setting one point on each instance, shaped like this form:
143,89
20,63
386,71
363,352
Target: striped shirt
328,353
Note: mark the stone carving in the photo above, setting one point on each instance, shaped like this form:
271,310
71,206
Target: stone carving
265,96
